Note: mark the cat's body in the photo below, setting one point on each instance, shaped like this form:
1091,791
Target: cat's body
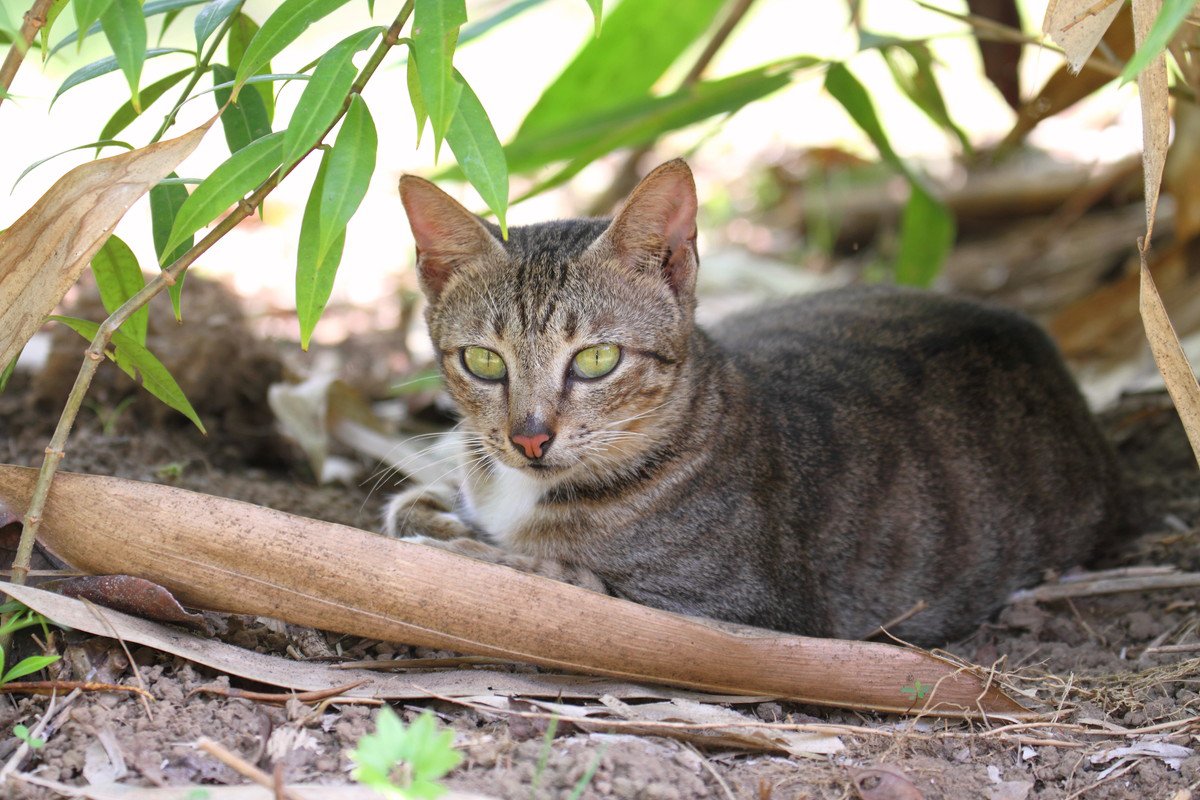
817,466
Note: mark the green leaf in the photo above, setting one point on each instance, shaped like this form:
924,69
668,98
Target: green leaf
585,138
87,12
479,154
846,89
7,373
126,114
150,9
56,8
641,39
315,269
155,377
105,66
97,145
241,33
1166,24
125,28
597,7
427,753
324,95
414,97
911,65
119,278
165,201
228,183
211,17
285,24
476,29
244,121
926,236
28,666
255,80
435,34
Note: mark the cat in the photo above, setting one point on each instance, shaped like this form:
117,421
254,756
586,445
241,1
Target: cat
817,466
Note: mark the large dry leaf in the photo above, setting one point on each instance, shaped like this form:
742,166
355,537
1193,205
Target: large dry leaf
43,253
1156,114
303,676
1171,360
232,556
1078,25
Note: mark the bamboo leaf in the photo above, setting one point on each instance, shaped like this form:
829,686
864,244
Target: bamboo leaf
476,29
926,236
87,12
435,35
285,24
43,253
28,666
56,8
228,183
7,373
351,163
119,278
1168,21
244,121
414,96
150,9
241,33
105,66
846,89
98,145
165,201
155,378
125,28
639,42
597,7
210,18
126,114
315,270
324,95
1078,25
479,153
911,65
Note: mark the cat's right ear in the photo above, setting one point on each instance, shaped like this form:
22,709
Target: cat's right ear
447,234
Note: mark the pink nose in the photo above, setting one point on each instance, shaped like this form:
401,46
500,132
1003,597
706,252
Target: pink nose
532,445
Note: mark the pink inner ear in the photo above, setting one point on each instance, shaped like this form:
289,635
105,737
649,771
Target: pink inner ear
444,231
657,225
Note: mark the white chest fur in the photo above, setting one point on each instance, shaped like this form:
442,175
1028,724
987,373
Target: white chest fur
503,502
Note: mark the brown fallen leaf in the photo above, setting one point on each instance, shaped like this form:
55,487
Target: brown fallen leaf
43,253
222,554
129,594
1078,25
884,783
307,676
1156,115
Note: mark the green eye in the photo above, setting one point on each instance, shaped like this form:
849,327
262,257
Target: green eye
484,363
596,362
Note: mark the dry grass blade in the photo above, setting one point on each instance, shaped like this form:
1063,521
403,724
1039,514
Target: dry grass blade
1156,116
1171,360
1078,25
226,555
43,253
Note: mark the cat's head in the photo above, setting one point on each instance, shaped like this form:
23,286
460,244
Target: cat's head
564,346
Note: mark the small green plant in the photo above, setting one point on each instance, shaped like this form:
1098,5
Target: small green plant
547,745
22,733
109,417
917,691
18,617
171,471
405,761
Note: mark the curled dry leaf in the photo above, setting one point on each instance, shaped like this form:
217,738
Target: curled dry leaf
1171,360
43,253
1078,25
226,555
884,783
131,595
1156,116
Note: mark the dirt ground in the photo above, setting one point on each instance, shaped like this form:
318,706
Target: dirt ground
1086,658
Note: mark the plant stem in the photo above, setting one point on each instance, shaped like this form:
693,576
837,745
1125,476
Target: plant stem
35,18
168,277
201,68
627,173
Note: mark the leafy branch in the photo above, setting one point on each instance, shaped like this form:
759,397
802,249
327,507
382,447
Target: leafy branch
95,352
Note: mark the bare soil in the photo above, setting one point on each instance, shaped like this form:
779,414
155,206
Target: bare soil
1085,656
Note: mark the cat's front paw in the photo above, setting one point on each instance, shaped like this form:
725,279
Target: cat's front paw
423,512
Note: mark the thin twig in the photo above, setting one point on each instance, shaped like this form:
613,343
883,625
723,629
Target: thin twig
883,629
1089,588
1190,647
168,277
278,697
35,20
241,766
47,725
133,667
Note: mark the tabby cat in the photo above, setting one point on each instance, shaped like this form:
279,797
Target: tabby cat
818,465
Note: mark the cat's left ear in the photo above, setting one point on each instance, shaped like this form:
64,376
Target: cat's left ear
655,230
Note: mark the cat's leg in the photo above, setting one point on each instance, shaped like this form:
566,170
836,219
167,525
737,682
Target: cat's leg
425,511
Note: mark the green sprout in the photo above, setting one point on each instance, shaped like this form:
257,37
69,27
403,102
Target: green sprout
405,761
22,733
918,690
18,617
